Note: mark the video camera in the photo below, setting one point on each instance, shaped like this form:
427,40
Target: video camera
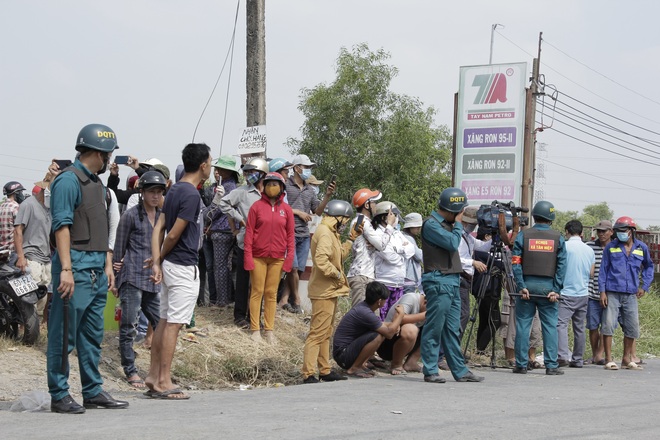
488,215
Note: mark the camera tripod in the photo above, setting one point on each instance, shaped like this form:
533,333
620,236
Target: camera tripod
498,253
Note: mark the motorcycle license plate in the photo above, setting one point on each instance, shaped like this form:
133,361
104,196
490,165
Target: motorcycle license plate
23,285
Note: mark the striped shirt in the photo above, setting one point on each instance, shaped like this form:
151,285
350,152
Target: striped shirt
304,200
8,211
593,281
133,246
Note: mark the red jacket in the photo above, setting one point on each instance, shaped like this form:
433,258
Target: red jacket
270,232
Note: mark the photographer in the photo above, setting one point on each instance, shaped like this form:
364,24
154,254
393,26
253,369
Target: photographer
539,267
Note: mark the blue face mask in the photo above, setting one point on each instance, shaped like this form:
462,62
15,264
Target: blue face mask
252,178
622,236
306,173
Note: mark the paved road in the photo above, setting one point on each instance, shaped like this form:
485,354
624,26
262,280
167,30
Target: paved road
587,403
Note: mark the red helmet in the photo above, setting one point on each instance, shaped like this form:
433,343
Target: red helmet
276,177
625,222
363,195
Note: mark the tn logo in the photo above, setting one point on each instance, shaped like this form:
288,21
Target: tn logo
492,88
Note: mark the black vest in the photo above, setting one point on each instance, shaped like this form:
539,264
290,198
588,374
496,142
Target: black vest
90,228
539,256
437,258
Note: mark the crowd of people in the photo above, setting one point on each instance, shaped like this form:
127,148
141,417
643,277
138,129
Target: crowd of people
160,246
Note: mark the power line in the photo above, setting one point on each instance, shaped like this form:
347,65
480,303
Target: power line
598,73
602,178
651,153
229,50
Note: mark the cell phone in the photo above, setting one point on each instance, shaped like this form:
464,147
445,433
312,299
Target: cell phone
121,160
358,222
62,163
333,179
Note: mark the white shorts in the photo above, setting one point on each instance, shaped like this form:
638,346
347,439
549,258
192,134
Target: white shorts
179,292
40,272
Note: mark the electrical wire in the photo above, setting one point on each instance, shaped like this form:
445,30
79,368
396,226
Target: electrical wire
602,178
229,50
231,63
651,153
600,74
578,84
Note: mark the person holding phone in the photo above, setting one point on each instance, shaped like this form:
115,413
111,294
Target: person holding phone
441,236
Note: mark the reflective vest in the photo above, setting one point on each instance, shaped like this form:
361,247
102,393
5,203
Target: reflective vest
437,258
539,256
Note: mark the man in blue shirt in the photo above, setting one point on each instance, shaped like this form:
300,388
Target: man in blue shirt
81,271
441,236
624,259
580,261
539,267
175,264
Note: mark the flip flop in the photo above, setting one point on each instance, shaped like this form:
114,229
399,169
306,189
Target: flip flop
169,395
611,366
631,366
150,393
135,383
413,370
398,372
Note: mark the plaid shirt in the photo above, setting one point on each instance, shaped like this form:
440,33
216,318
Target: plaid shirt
304,200
8,211
133,245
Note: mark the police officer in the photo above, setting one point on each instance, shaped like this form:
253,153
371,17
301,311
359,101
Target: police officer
441,236
82,270
539,266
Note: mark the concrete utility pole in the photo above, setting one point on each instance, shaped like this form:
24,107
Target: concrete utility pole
529,145
492,38
256,66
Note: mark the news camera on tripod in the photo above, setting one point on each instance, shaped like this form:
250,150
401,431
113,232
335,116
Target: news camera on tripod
492,259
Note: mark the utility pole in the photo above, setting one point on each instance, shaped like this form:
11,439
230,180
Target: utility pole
529,145
256,67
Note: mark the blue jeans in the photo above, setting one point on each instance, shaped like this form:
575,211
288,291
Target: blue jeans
132,301
624,307
302,252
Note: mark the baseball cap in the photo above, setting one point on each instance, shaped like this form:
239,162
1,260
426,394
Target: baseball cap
412,220
302,159
603,225
312,180
470,215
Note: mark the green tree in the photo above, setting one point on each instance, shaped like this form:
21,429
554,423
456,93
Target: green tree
589,217
358,129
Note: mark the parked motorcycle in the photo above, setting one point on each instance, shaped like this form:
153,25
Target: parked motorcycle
18,295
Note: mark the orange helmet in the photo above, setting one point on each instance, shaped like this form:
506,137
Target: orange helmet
363,195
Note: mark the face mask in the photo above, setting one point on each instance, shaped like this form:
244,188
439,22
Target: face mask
341,227
20,197
469,228
306,172
106,160
622,236
47,198
316,190
252,178
273,191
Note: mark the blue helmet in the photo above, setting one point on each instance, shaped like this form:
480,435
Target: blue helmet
275,165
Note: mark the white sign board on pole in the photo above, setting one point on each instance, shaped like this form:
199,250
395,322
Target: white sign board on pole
490,132
252,140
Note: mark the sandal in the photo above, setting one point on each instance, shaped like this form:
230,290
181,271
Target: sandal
398,371
611,366
361,374
136,383
531,365
631,366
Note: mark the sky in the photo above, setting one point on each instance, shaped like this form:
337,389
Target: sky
146,68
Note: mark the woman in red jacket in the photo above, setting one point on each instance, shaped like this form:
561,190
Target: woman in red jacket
269,247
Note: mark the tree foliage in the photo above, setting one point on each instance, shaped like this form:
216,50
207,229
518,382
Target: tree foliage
590,216
358,129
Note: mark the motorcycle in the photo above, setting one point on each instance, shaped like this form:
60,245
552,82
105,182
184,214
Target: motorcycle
18,295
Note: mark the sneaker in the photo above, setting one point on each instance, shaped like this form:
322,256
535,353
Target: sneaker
242,323
519,370
562,363
311,379
470,377
553,372
575,364
443,365
297,309
434,378
331,377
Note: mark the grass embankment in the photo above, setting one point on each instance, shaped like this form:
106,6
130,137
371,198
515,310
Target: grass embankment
227,357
